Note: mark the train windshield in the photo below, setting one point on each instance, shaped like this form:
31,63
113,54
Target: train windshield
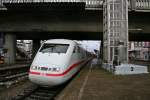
54,48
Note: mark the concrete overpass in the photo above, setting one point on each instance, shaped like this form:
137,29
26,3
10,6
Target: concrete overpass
80,25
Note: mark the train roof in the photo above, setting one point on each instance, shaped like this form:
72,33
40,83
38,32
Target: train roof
61,41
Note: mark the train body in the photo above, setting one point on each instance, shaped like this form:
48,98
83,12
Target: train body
57,61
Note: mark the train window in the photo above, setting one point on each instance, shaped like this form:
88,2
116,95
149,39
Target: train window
78,49
54,48
74,50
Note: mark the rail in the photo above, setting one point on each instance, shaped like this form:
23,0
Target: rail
39,93
12,75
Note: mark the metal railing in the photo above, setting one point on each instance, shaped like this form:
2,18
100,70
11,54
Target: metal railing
133,4
89,3
143,4
139,4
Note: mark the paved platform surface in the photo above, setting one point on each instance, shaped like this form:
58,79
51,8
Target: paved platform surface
94,83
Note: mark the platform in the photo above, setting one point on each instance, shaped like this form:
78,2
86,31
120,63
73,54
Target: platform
95,83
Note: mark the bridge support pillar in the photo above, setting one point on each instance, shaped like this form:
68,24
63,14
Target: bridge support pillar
10,48
35,47
115,38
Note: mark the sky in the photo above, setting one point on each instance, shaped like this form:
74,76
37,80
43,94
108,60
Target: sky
90,45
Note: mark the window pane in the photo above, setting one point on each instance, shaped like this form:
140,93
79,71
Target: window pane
54,48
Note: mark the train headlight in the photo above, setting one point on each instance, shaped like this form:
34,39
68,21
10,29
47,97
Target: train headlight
54,69
34,67
57,69
50,69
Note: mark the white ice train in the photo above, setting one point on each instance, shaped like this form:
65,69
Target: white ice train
57,61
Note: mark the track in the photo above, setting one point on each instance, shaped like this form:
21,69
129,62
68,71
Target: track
12,74
40,93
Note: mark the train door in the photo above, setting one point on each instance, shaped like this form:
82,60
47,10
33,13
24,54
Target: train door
79,52
76,54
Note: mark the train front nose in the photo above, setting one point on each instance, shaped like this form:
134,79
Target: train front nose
46,76
43,80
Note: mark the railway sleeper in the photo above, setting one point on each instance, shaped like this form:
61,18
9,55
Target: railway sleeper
11,82
12,77
48,94
37,97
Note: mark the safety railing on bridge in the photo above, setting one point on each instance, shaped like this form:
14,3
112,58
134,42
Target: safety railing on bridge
1,4
139,4
91,4
143,4
88,3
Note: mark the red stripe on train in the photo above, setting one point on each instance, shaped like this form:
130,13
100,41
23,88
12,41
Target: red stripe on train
61,74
